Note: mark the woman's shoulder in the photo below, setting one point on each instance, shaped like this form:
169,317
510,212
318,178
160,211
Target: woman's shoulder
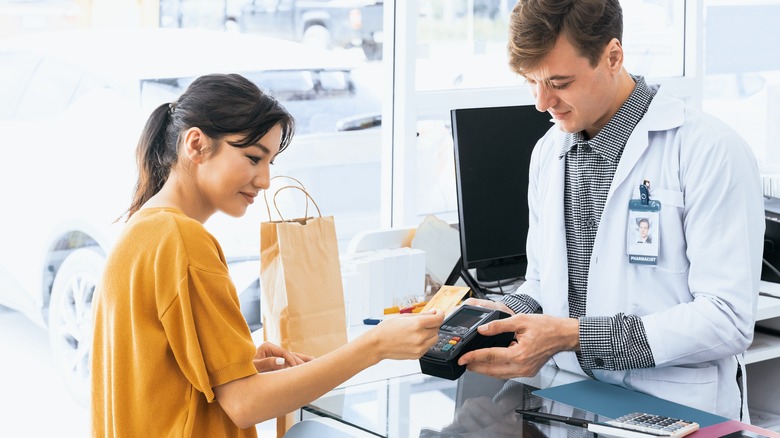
168,228
162,221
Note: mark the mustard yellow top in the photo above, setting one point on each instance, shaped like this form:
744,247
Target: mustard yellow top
168,328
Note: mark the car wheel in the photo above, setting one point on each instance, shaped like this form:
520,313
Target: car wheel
70,319
317,36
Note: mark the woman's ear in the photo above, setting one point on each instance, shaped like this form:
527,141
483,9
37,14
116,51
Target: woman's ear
194,144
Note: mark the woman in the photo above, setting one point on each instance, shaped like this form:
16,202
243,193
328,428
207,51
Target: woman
169,337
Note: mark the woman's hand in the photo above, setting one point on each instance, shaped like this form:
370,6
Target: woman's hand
271,357
407,336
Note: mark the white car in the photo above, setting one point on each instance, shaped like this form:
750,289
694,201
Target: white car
71,109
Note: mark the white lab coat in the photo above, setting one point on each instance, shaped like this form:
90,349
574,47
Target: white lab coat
698,304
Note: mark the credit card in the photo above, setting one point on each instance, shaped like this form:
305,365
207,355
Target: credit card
446,298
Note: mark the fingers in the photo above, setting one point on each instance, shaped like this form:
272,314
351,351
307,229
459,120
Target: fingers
490,304
484,355
504,363
431,322
479,302
293,359
499,326
496,362
428,320
304,357
268,350
286,360
432,319
412,334
267,364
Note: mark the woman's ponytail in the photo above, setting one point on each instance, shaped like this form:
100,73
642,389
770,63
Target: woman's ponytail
155,156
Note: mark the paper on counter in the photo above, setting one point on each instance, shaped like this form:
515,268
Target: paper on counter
441,244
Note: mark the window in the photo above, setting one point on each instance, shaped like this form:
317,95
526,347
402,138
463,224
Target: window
16,68
440,54
460,61
742,74
51,90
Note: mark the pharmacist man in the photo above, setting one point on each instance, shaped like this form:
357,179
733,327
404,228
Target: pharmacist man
674,323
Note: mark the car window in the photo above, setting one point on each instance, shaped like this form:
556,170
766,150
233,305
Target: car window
157,91
88,82
319,100
14,80
51,89
335,81
287,85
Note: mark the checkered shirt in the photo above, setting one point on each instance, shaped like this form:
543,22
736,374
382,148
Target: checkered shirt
616,342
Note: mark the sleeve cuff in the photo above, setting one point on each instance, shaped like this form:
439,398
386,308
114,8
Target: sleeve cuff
596,343
614,343
521,303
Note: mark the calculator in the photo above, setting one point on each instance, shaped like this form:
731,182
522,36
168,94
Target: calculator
650,424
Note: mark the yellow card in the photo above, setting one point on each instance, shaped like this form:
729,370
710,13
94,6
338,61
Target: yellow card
446,298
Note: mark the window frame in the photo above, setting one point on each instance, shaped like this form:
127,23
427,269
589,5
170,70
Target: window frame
403,106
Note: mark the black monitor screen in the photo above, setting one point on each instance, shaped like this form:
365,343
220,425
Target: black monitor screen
770,270
492,156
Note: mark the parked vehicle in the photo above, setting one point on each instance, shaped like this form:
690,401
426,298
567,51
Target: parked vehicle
72,105
372,30
322,23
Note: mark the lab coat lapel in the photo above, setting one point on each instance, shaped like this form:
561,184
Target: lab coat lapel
636,146
664,113
555,271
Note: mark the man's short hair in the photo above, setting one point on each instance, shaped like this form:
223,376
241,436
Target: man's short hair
536,25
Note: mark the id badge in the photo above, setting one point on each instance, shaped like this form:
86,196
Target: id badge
642,231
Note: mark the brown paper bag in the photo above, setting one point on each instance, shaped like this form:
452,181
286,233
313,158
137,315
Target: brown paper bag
303,299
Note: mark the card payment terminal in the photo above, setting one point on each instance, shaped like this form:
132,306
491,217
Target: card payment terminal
457,336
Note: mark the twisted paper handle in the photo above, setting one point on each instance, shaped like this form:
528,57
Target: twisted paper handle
268,207
308,196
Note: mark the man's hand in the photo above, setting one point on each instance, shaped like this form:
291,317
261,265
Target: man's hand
537,339
495,305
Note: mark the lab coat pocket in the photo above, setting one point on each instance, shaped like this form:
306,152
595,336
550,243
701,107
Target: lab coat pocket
672,252
671,198
690,386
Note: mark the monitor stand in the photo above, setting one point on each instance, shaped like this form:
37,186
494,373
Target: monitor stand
460,272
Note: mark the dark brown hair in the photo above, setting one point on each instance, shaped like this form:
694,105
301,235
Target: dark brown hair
536,25
218,104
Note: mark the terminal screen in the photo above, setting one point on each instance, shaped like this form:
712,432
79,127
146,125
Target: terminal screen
466,318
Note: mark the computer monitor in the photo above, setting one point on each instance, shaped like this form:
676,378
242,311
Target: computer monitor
492,158
770,269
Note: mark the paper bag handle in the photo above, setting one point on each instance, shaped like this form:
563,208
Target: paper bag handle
265,196
308,196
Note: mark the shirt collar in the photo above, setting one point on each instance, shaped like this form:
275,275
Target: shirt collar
610,141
